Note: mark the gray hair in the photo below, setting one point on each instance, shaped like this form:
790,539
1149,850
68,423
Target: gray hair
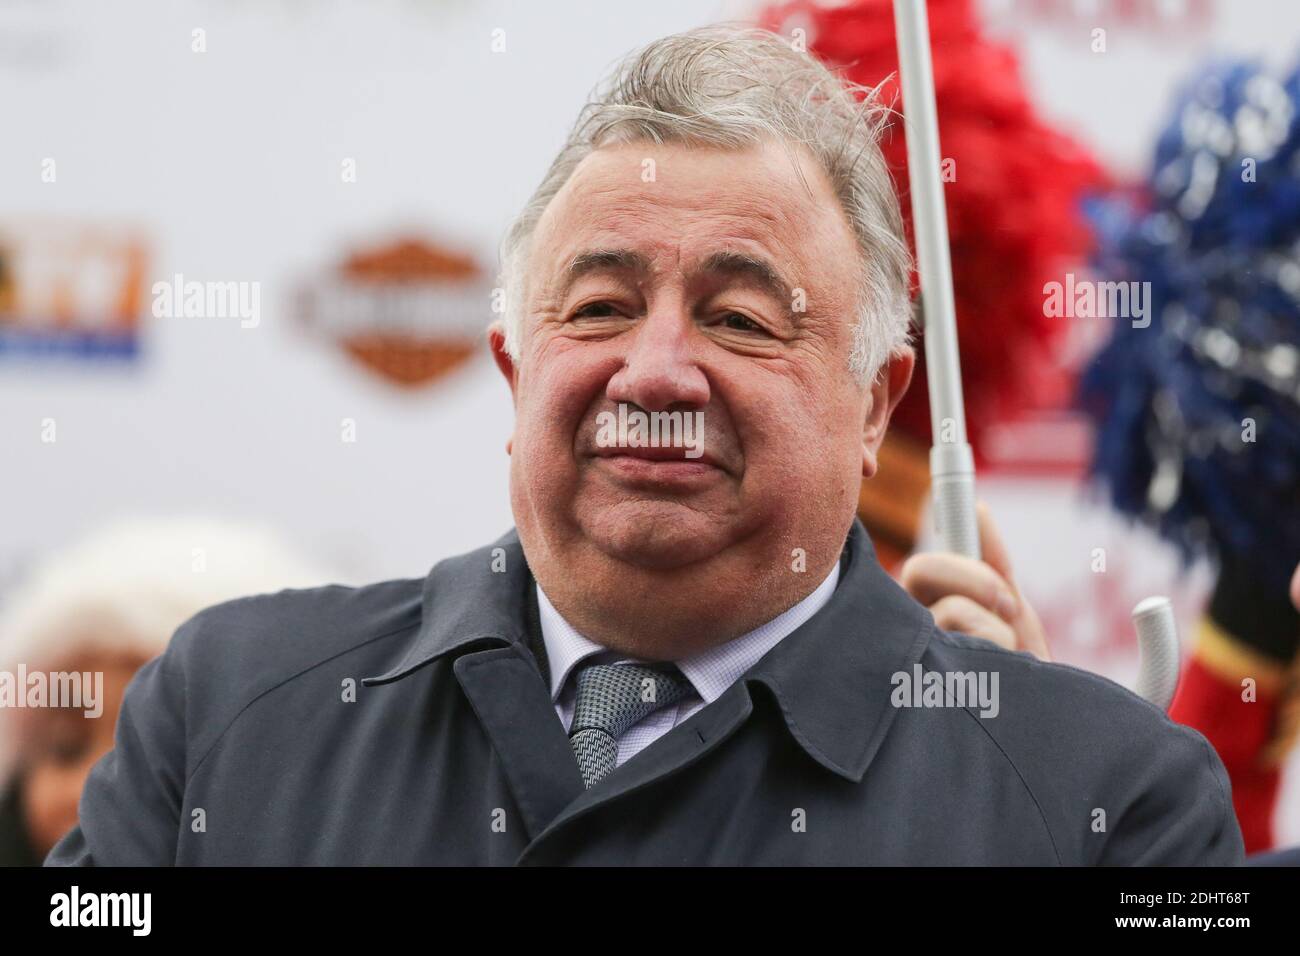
729,87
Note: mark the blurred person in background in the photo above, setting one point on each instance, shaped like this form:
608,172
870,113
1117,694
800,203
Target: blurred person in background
106,605
1289,856
1198,412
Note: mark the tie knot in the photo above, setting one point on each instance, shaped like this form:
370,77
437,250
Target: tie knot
613,697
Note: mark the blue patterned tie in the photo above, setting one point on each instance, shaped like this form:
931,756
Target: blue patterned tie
610,699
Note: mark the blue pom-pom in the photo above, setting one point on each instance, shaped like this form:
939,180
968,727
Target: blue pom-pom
1198,414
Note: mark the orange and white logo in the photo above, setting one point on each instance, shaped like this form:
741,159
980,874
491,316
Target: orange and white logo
71,290
409,311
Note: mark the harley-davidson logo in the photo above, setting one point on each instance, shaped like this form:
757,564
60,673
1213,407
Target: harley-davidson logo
410,311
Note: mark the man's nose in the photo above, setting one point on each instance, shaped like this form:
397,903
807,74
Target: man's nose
660,369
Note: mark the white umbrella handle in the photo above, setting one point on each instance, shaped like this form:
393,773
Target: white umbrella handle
952,464
1158,646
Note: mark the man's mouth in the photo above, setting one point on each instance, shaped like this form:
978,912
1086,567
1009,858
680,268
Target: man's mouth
658,465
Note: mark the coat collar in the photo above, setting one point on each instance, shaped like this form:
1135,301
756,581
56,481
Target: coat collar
833,677
830,678
471,599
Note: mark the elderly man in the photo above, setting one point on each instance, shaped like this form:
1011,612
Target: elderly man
686,652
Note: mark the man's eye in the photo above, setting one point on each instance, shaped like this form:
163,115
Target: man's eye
595,310
741,323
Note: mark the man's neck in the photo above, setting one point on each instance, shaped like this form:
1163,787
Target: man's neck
658,617
710,671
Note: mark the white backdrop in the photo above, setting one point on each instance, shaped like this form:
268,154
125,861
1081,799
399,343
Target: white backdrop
228,163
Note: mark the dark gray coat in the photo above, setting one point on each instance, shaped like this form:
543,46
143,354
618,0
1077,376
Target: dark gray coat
241,745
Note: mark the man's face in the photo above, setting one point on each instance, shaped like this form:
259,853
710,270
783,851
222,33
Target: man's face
672,278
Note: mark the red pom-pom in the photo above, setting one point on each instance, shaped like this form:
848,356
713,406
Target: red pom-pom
1014,215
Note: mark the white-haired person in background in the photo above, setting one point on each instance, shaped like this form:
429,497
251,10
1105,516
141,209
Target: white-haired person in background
104,606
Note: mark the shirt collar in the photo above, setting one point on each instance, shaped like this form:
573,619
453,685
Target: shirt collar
711,671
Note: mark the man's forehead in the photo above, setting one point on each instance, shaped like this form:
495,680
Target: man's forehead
736,180
689,210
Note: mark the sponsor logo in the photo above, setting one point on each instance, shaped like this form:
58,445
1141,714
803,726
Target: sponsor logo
71,292
408,311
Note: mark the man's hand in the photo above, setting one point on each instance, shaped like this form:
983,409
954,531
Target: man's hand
979,598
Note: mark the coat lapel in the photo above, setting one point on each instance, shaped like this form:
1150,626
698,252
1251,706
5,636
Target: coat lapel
683,745
516,712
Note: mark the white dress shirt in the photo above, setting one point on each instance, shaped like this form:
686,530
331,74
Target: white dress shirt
710,672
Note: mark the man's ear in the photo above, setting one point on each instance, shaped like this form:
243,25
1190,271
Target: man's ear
497,343
888,388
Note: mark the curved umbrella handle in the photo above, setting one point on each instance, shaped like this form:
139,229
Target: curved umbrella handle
1158,646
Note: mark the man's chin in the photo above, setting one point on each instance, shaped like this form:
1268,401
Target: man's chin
657,535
